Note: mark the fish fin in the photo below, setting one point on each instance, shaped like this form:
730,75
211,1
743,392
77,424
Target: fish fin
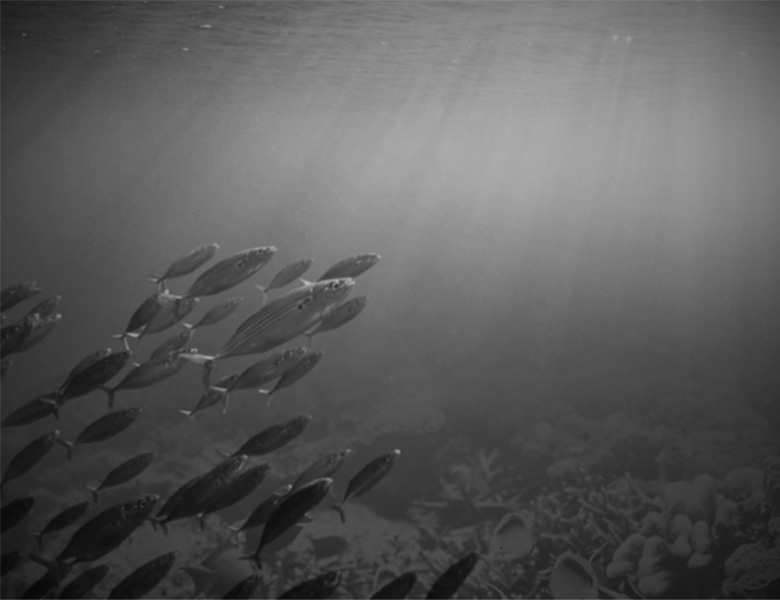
225,454
54,404
134,334
68,446
339,509
225,401
255,558
110,392
305,281
94,492
189,413
187,325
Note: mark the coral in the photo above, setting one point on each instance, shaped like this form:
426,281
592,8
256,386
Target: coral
751,569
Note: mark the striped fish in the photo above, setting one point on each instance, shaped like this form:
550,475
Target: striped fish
230,271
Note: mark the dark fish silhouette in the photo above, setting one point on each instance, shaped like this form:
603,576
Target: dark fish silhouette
244,588
400,587
32,411
221,311
145,578
13,295
13,512
274,437
103,428
238,489
451,580
132,467
29,456
41,327
230,271
367,478
325,466
341,315
64,518
186,263
86,378
263,510
45,307
307,362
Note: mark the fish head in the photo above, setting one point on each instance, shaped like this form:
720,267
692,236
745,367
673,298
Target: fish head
283,491
260,255
139,510
290,356
333,291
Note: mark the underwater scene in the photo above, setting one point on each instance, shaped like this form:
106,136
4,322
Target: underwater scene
402,299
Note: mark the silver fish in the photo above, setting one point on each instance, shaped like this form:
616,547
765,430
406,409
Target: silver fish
274,437
39,330
12,336
170,313
63,519
146,374
93,376
230,271
145,578
85,362
451,580
295,372
351,267
291,510
214,395
286,317
13,295
29,456
340,315
32,411
263,510
325,466
126,471
45,307
367,478
172,344
237,490
287,275
103,428
187,263
266,369
399,587
13,512
143,314
221,311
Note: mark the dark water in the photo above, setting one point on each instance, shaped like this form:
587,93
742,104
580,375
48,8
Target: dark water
576,205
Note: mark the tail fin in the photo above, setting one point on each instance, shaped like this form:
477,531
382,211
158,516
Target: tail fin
189,413
39,537
68,446
187,325
160,281
94,492
339,509
55,406
110,392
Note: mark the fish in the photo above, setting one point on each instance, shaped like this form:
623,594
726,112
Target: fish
142,315
214,395
305,364
451,580
321,586
244,588
351,267
146,374
266,369
85,582
145,578
48,582
285,318
93,376
205,490
12,336
29,456
400,587
9,561
291,510
513,536
175,499
287,275
367,478
573,577
219,572
123,473
107,530
263,510
13,295
341,315
13,512
170,313
186,263
42,326
82,365
103,428
220,312
32,411
325,466
230,271
238,489
173,344
64,518
45,307
274,437
5,364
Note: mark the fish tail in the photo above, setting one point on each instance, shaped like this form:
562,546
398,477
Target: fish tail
189,413
94,492
55,406
223,453
68,447
110,392
187,325
39,537
208,369
225,401
255,558
339,509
